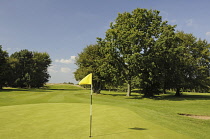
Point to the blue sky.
(62, 28)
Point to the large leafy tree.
(3, 67)
(129, 42)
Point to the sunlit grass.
(62, 111)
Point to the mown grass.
(62, 111)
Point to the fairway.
(64, 120)
(62, 112)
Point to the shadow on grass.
(183, 97)
(10, 90)
(65, 89)
(119, 94)
(137, 128)
(117, 133)
(171, 97)
(113, 94)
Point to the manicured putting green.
(71, 121)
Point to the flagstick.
(91, 110)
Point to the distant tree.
(202, 75)
(29, 69)
(23, 68)
(12, 71)
(3, 67)
(182, 60)
(40, 75)
(194, 63)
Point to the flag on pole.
(86, 80)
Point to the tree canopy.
(131, 42)
(142, 50)
(24, 69)
(3, 67)
(88, 61)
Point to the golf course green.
(62, 112)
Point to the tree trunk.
(164, 89)
(178, 94)
(98, 91)
(129, 89)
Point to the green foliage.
(88, 61)
(40, 76)
(3, 67)
(184, 62)
(129, 42)
(195, 56)
(145, 51)
(24, 69)
(167, 58)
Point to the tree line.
(143, 51)
(24, 69)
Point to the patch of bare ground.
(196, 116)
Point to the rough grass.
(62, 111)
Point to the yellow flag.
(86, 80)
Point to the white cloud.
(66, 61)
(65, 70)
(60, 73)
(207, 33)
(52, 69)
